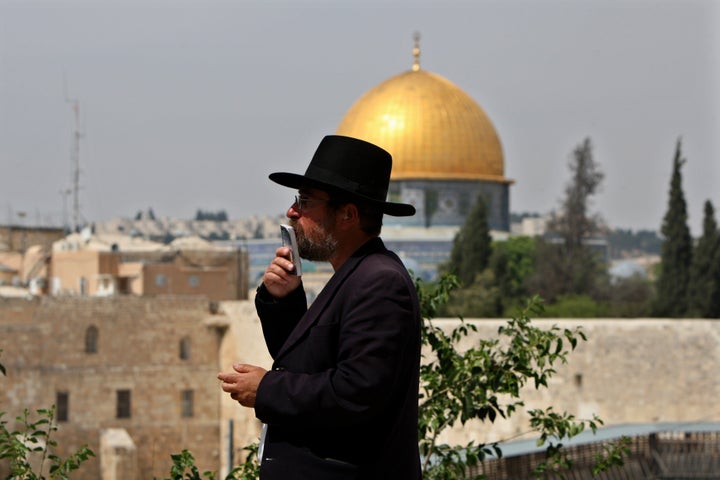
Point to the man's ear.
(349, 213)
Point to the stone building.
(142, 365)
(24, 252)
(105, 265)
(17, 238)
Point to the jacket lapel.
(327, 294)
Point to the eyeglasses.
(303, 203)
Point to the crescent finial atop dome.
(416, 52)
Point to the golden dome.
(432, 128)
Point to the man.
(341, 399)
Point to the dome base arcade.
(441, 203)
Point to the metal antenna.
(64, 193)
(75, 160)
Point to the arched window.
(91, 339)
(185, 348)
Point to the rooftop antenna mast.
(75, 160)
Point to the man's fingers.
(242, 384)
(229, 377)
(241, 367)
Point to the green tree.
(630, 297)
(469, 262)
(471, 249)
(575, 306)
(624, 241)
(704, 286)
(564, 262)
(500, 288)
(481, 299)
(512, 263)
(484, 382)
(671, 298)
(574, 224)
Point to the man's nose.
(293, 211)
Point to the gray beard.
(316, 250)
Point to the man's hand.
(242, 384)
(278, 279)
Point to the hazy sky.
(188, 105)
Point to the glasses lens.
(300, 203)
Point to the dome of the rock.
(446, 151)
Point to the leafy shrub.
(575, 306)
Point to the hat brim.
(294, 180)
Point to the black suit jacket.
(341, 400)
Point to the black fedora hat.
(352, 168)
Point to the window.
(185, 348)
(193, 281)
(160, 280)
(91, 339)
(62, 400)
(186, 403)
(123, 404)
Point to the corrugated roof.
(606, 434)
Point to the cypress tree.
(676, 252)
(471, 250)
(714, 307)
(704, 289)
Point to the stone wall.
(642, 370)
(628, 371)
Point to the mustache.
(299, 231)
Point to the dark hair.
(370, 215)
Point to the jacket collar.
(311, 316)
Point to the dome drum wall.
(448, 202)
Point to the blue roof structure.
(605, 434)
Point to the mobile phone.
(287, 234)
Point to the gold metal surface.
(432, 128)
